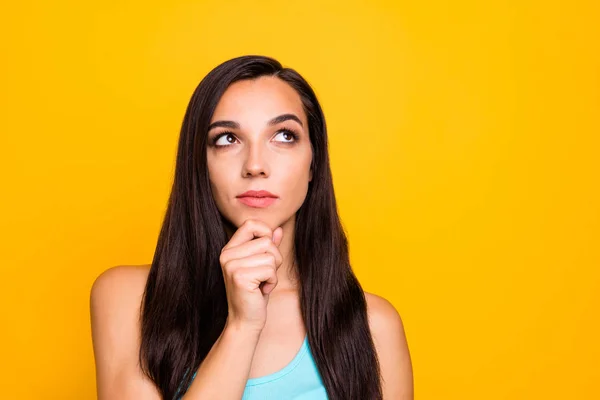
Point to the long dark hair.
(184, 306)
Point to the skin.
(259, 156)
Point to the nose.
(255, 163)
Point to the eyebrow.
(277, 120)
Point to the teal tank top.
(298, 380)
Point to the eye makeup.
(289, 131)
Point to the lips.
(257, 198)
(257, 193)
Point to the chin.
(239, 218)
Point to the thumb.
(277, 236)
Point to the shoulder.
(383, 316)
(390, 341)
(115, 297)
(115, 300)
(113, 282)
(119, 289)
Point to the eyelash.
(225, 133)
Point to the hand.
(249, 262)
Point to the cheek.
(295, 180)
(218, 180)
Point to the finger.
(256, 260)
(250, 229)
(277, 236)
(256, 246)
(252, 278)
(267, 285)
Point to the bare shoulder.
(116, 295)
(115, 300)
(383, 315)
(388, 334)
(114, 280)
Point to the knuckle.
(266, 259)
(229, 267)
(276, 254)
(238, 276)
(265, 242)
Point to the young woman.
(250, 294)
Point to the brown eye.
(226, 142)
(290, 136)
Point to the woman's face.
(251, 146)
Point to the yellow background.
(464, 144)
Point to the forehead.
(258, 100)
